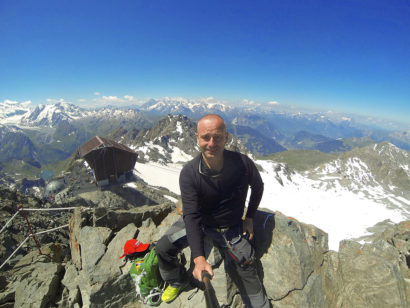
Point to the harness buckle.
(222, 230)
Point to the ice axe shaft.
(209, 292)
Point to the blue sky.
(350, 55)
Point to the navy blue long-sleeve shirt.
(217, 199)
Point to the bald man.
(214, 186)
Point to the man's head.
(212, 136)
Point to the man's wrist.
(199, 259)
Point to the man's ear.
(197, 139)
(226, 137)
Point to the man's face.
(212, 137)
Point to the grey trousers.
(245, 277)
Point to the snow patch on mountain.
(179, 127)
(150, 148)
(177, 155)
(354, 169)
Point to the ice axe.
(209, 292)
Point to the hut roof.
(98, 142)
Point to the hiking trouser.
(244, 275)
(168, 248)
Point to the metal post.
(30, 230)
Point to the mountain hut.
(111, 161)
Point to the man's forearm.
(194, 234)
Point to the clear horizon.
(350, 56)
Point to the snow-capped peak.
(11, 112)
(189, 107)
(52, 114)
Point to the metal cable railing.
(30, 233)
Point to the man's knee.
(165, 248)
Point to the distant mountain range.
(283, 126)
(190, 108)
(50, 133)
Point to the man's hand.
(248, 227)
(201, 265)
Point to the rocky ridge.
(118, 197)
(171, 140)
(296, 267)
(18, 145)
(378, 171)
